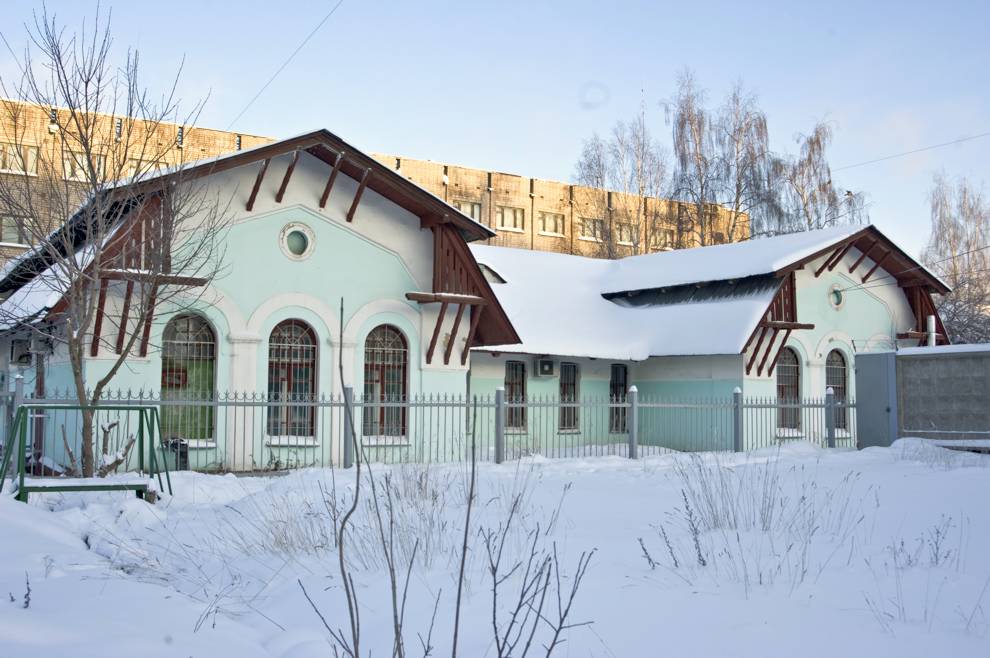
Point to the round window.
(835, 296)
(297, 241)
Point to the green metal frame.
(147, 417)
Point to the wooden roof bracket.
(101, 304)
(122, 329)
(285, 179)
(257, 184)
(877, 263)
(756, 350)
(436, 333)
(453, 334)
(357, 195)
(330, 180)
(146, 335)
(773, 337)
(475, 318)
(863, 255)
(783, 343)
(842, 254)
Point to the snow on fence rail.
(256, 432)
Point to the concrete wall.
(943, 392)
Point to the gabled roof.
(321, 144)
(576, 306)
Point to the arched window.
(291, 378)
(788, 389)
(189, 354)
(836, 378)
(386, 362)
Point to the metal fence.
(234, 432)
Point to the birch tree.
(90, 202)
(958, 251)
(633, 164)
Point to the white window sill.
(548, 234)
(574, 431)
(15, 245)
(509, 229)
(200, 444)
(787, 433)
(292, 442)
(19, 173)
(625, 244)
(516, 431)
(585, 238)
(385, 442)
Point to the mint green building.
(780, 318)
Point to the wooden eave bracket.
(357, 195)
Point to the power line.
(913, 151)
(286, 63)
(877, 284)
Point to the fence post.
(18, 394)
(830, 417)
(632, 423)
(737, 420)
(349, 435)
(499, 425)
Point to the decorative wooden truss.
(458, 280)
(903, 271)
(135, 255)
(922, 306)
(781, 316)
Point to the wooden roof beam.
(446, 298)
(146, 335)
(842, 254)
(357, 195)
(876, 264)
(122, 329)
(828, 261)
(472, 330)
(789, 326)
(773, 364)
(101, 305)
(863, 255)
(285, 179)
(436, 333)
(257, 184)
(756, 350)
(330, 181)
(453, 334)
(766, 355)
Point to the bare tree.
(958, 251)
(807, 194)
(94, 205)
(745, 162)
(698, 163)
(628, 174)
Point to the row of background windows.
(22, 159)
(189, 372)
(551, 223)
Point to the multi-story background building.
(529, 213)
(544, 215)
(30, 140)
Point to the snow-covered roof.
(558, 304)
(555, 303)
(722, 262)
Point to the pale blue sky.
(517, 86)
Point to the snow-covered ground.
(776, 553)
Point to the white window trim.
(550, 234)
(510, 229)
(586, 238)
(292, 441)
